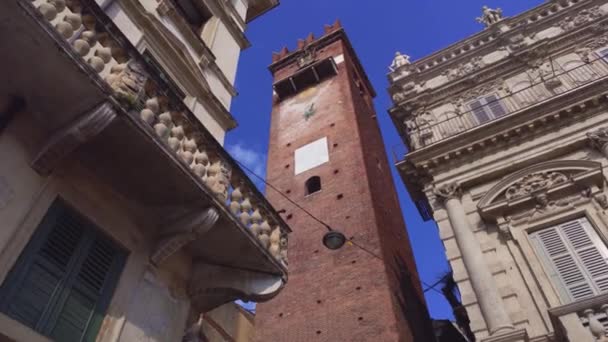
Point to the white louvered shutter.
(495, 106)
(487, 108)
(479, 111)
(575, 257)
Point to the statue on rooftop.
(399, 60)
(490, 16)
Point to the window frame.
(307, 185)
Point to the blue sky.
(377, 28)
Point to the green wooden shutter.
(575, 257)
(63, 280)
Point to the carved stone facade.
(508, 150)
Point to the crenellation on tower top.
(304, 43)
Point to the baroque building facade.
(507, 142)
(122, 216)
(326, 154)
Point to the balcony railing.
(584, 320)
(425, 131)
(143, 94)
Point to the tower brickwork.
(326, 153)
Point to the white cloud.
(252, 159)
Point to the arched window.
(313, 184)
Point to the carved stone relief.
(581, 18)
(587, 49)
(407, 89)
(533, 183)
(516, 42)
(419, 126)
(547, 208)
(461, 70)
(127, 81)
(306, 57)
(598, 138)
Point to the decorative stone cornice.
(448, 191)
(530, 21)
(518, 44)
(599, 138)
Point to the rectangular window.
(195, 13)
(62, 282)
(487, 108)
(603, 53)
(575, 258)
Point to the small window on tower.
(313, 184)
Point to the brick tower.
(326, 153)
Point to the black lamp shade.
(334, 240)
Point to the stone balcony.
(421, 130)
(582, 321)
(99, 101)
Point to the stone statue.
(399, 60)
(490, 16)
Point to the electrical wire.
(348, 240)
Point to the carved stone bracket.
(183, 231)
(214, 285)
(448, 191)
(598, 138)
(69, 139)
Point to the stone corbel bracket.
(68, 139)
(214, 285)
(575, 177)
(182, 231)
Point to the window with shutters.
(575, 258)
(62, 282)
(603, 53)
(487, 108)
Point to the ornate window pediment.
(538, 184)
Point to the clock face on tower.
(304, 107)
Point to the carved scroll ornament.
(448, 191)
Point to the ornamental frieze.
(534, 182)
(581, 18)
(475, 64)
